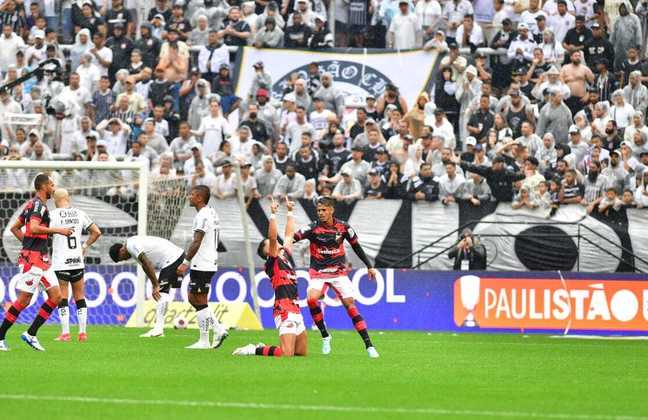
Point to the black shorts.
(168, 276)
(71, 276)
(200, 281)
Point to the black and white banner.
(355, 73)
(391, 230)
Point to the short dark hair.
(114, 251)
(40, 181)
(260, 251)
(326, 201)
(203, 190)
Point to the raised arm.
(273, 247)
(290, 226)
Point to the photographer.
(468, 254)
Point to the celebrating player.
(328, 266)
(279, 267)
(67, 260)
(154, 253)
(34, 263)
(202, 257)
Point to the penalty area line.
(303, 407)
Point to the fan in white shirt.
(116, 137)
(621, 112)
(213, 129)
(202, 258)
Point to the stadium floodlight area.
(121, 197)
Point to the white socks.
(64, 316)
(161, 309)
(82, 316)
(205, 322)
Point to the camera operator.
(468, 254)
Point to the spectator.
(375, 188)
(199, 36)
(451, 185)
(330, 95)
(290, 185)
(576, 76)
(148, 45)
(476, 190)
(422, 187)
(297, 34)
(641, 193)
(213, 128)
(174, 57)
(481, 121)
(598, 47)
(405, 29)
(610, 204)
(212, 55)
(555, 117)
(10, 44)
(203, 177)
(225, 182)
(306, 162)
(248, 184)
(196, 158)
(348, 189)
(626, 35)
(525, 199)
(635, 93)
(571, 191)
(321, 38)
(498, 177)
(267, 177)
(269, 35)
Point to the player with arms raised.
(153, 253)
(280, 267)
(202, 258)
(34, 263)
(67, 260)
(328, 267)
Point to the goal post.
(121, 183)
(124, 199)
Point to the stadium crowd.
(555, 114)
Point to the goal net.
(123, 199)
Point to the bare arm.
(290, 227)
(15, 229)
(149, 270)
(195, 244)
(95, 233)
(273, 248)
(37, 229)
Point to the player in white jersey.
(67, 260)
(202, 259)
(154, 253)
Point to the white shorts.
(293, 324)
(342, 284)
(35, 277)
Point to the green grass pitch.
(117, 375)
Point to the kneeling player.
(67, 260)
(154, 253)
(280, 268)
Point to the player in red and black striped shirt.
(34, 263)
(328, 266)
(280, 267)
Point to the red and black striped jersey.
(327, 254)
(282, 274)
(35, 210)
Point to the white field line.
(321, 408)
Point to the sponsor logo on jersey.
(75, 260)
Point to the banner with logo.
(355, 73)
(572, 303)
